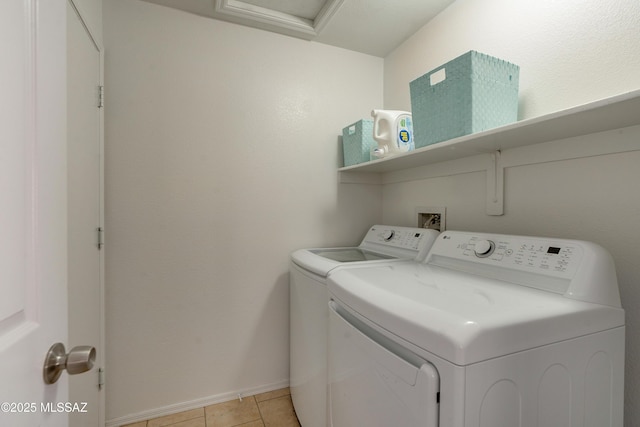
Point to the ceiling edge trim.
(327, 12)
(249, 12)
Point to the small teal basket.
(472, 93)
(357, 142)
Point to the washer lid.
(465, 318)
(322, 260)
(349, 254)
(382, 242)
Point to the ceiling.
(374, 27)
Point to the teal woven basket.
(469, 94)
(357, 141)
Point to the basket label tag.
(437, 77)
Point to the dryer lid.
(465, 318)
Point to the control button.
(484, 248)
(388, 235)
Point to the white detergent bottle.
(393, 131)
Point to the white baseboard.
(193, 404)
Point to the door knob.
(80, 359)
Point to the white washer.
(309, 313)
(490, 331)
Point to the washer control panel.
(399, 237)
(559, 258)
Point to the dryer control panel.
(544, 256)
(575, 268)
(549, 257)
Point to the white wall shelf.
(607, 114)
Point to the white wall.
(570, 53)
(221, 157)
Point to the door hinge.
(100, 231)
(100, 96)
(100, 378)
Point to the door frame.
(77, 7)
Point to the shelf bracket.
(495, 185)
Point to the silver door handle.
(80, 359)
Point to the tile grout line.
(272, 398)
(259, 411)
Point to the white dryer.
(309, 269)
(490, 331)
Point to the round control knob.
(484, 248)
(388, 235)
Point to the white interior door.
(33, 209)
(84, 214)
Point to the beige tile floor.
(271, 409)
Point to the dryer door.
(373, 381)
